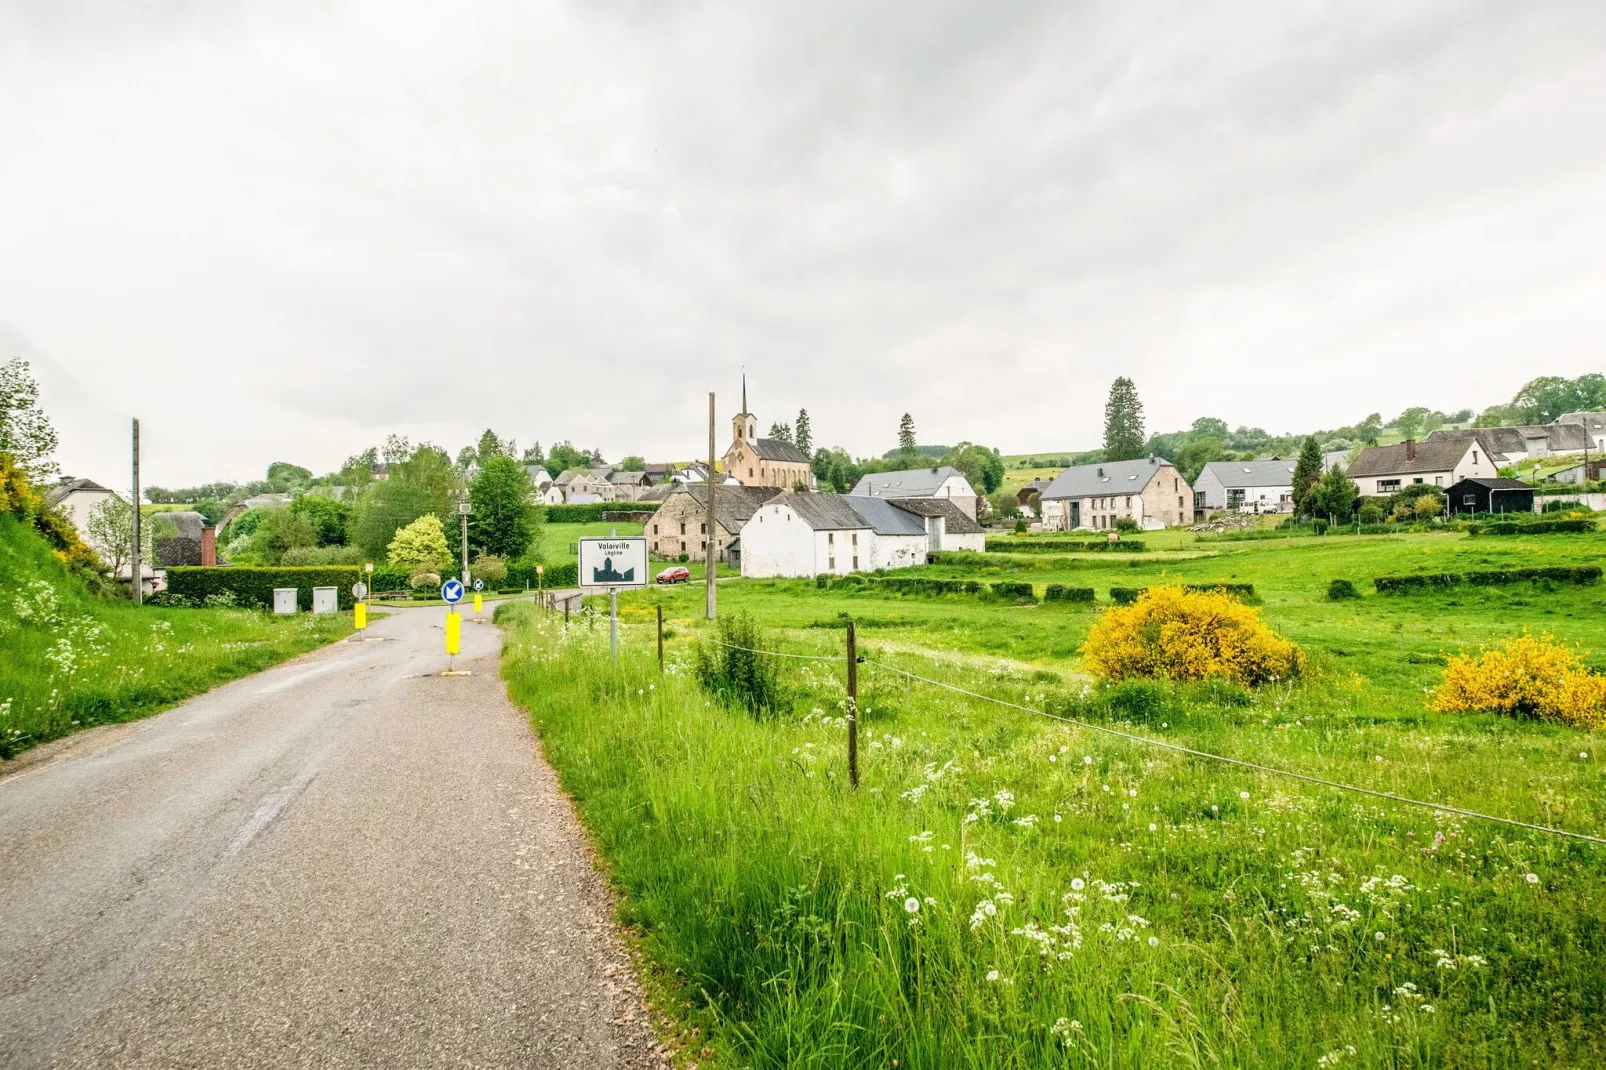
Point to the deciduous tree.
(420, 547)
(1334, 496)
(25, 431)
(502, 521)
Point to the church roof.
(778, 449)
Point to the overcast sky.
(280, 230)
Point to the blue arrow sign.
(452, 591)
(479, 585)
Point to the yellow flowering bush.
(1527, 676)
(1189, 635)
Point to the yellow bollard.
(360, 615)
(476, 601)
(454, 631)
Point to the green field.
(1156, 908)
(70, 659)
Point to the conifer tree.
(804, 434)
(906, 438)
(1123, 422)
(1307, 470)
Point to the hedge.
(1058, 592)
(596, 512)
(1533, 527)
(1243, 591)
(1125, 596)
(920, 585)
(254, 587)
(518, 577)
(1007, 545)
(1021, 592)
(1491, 578)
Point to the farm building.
(77, 498)
(1382, 470)
(809, 534)
(1151, 492)
(680, 526)
(1246, 486)
(1482, 494)
(940, 481)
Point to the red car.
(675, 574)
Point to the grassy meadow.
(1010, 890)
(70, 659)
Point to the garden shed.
(1487, 494)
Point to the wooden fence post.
(853, 707)
(660, 640)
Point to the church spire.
(744, 393)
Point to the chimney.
(1153, 461)
(1410, 449)
(209, 547)
(1101, 476)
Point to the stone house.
(680, 526)
(1149, 491)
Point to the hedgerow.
(920, 585)
(252, 586)
(597, 512)
(1177, 634)
(1533, 527)
(1058, 592)
(1013, 591)
(1428, 581)
(1063, 546)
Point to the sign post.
(479, 585)
(451, 594)
(540, 571)
(613, 564)
(359, 608)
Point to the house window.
(1466, 499)
(654, 531)
(702, 529)
(1438, 481)
(1474, 461)
(830, 539)
(682, 530)
(855, 559)
(1384, 486)
(1179, 506)
(1418, 479)
(682, 546)
(830, 562)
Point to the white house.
(582, 486)
(1150, 491)
(77, 498)
(808, 534)
(540, 478)
(551, 494)
(1246, 486)
(940, 481)
(1383, 470)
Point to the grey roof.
(69, 485)
(1436, 455)
(628, 479)
(1252, 473)
(733, 505)
(884, 515)
(1594, 421)
(1557, 437)
(582, 498)
(959, 522)
(1493, 483)
(908, 483)
(661, 492)
(778, 449)
(190, 524)
(1111, 477)
(826, 511)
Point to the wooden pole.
(712, 483)
(853, 707)
(660, 640)
(137, 570)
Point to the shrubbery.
(1533, 527)
(734, 670)
(1013, 591)
(921, 585)
(1177, 634)
(1490, 578)
(253, 587)
(1058, 592)
(1528, 676)
(1063, 546)
(597, 512)
(1339, 590)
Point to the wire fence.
(1149, 741)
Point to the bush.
(1527, 677)
(1339, 590)
(1126, 596)
(595, 512)
(490, 568)
(253, 587)
(1371, 513)
(1241, 591)
(1063, 546)
(1125, 524)
(1533, 527)
(1020, 527)
(1172, 633)
(1058, 592)
(921, 585)
(1584, 574)
(1319, 526)
(1013, 591)
(736, 672)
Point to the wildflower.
(1154, 941)
(1583, 754)
(911, 905)
(1077, 884)
(992, 975)
(1087, 759)
(1153, 827)
(1379, 937)
(1532, 878)
(1243, 795)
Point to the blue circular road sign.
(479, 585)
(452, 591)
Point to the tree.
(906, 439)
(1209, 427)
(781, 431)
(466, 457)
(427, 482)
(982, 466)
(633, 463)
(1307, 470)
(396, 449)
(533, 454)
(1409, 423)
(326, 516)
(420, 547)
(111, 534)
(284, 475)
(1196, 453)
(280, 529)
(25, 431)
(1334, 496)
(503, 501)
(1123, 422)
(490, 446)
(803, 436)
(1369, 429)
(564, 456)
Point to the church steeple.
(744, 393)
(744, 428)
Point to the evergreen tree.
(1334, 496)
(906, 438)
(1123, 422)
(783, 432)
(533, 455)
(804, 434)
(491, 446)
(1307, 470)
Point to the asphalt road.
(342, 862)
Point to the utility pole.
(138, 567)
(463, 508)
(712, 482)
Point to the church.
(764, 462)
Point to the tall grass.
(1003, 891)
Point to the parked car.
(675, 574)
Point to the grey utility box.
(284, 601)
(325, 600)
